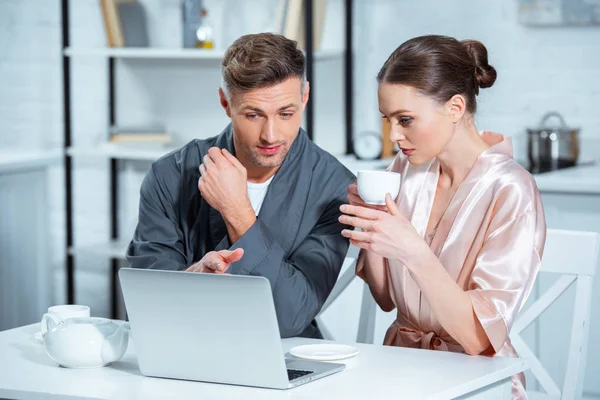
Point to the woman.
(458, 251)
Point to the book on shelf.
(139, 136)
(290, 21)
(112, 25)
(124, 23)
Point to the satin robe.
(490, 240)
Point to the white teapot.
(87, 342)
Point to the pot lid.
(552, 121)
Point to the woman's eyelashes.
(404, 121)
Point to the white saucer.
(324, 352)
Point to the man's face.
(266, 121)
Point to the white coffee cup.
(62, 312)
(374, 185)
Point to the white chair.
(574, 255)
(368, 310)
(344, 280)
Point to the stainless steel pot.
(551, 147)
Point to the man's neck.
(258, 174)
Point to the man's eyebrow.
(254, 109)
(286, 107)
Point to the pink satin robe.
(490, 240)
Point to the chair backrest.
(368, 309)
(346, 277)
(573, 255)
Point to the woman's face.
(419, 125)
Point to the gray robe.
(296, 242)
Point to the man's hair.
(261, 60)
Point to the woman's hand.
(355, 200)
(388, 234)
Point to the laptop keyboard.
(297, 373)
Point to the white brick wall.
(539, 70)
(30, 107)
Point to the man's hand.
(223, 184)
(223, 181)
(217, 262)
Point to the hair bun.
(485, 74)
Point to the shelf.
(169, 53)
(112, 249)
(126, 152)
(11, 160)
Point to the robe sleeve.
(377, 277)
(504, 274)
(158, 241)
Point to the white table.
(378, 372)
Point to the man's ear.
(305, 94)
(224, 102)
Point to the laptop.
(211, 328)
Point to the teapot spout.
(115, 345)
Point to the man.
(258, 199)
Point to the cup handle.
(48, 322)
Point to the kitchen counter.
(583, 179)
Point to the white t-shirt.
(257, 192)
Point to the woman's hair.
(440, 67)
(261, 60)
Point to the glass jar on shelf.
(205, 33)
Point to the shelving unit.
(109, 150)
(115, 247)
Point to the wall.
(539, 69)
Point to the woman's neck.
(460, 154)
